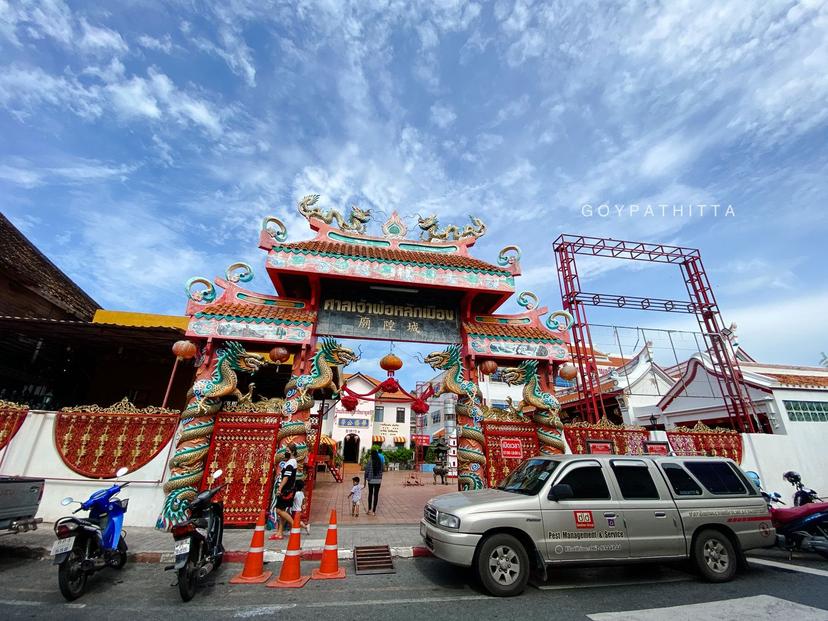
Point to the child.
(355, 496)
(299, 504)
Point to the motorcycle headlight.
(448, 520)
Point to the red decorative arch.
(95, 441)
(12, 416)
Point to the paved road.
(429, 589)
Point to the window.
(634, 480)
(587, 483)
(400, 415)
(529, 477)
(807, 411)
(681, 482)
(716, 476)
(435, 416)
(500, 405)
(497, 377)
(379, 413)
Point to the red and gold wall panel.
(701, 440)
(243, 446)
(96, 442)
(498, 466)
(12, 416)
(625, 441)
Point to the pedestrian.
(355, 495)
(285, 493)
(299, 505)
(373, 477)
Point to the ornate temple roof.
(393, 253)
(244, 311)
(515, 332)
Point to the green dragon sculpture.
(550, 427)
(356, 223)
(470, 456)
(215, 381)
(431, 231)
(298, 399)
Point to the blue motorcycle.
(802, 528)
(85, 545)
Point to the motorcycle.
(804, 495)
(86, 545)
(801, 528)
(198, 541)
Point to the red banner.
(12, 416)
(96, 442)
(519, 437)
(626, 440)
(702, 440)
(243, 446)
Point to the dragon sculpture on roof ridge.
(431, 229)
(356, 222)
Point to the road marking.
(740, 609)
(19, 602)
(259, 611)
(789, 567)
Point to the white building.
(386, 421)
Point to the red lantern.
(184, 350)
(279, 355)
(568, 371)
(349, 402)
(391, 363)
(487, 367)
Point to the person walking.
(373, 478)
(284, 495)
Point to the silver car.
(601, 509)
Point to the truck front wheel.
(503, 565)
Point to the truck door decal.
(583, 519)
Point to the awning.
(378, 439)
(399, 440)
(327, 441)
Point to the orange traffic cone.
(291, 575)
(329, 568)
(253, 571)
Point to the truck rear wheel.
(503, 565)
(714, 556)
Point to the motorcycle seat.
(785, 516)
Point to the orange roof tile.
(256, 312)
(510, 331)
(373, 253)
(810, 381)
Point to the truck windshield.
(529, 477)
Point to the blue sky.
(141, 143)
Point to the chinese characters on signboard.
(353, 422)
(398, 318)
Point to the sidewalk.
(147, 545)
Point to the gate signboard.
(507, 444)
(511, 448)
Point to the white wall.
(32, 453)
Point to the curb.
(230, 556)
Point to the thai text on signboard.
(511, 448)
(394, 317)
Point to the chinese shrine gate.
(347, 283)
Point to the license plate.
(422, 530)
(62, 546)
(182, 547)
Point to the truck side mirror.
(561, 491)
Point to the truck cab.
(601, 509)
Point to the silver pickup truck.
(591, 509)
(19, 501)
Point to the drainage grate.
(373, 560)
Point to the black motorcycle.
(198, 541)
(804, 495)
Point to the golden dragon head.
(336, 354)
(521, 373)
(361, 215)
(427, 223)
(444, 359)
(240, 359)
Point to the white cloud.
(514, 109)
(442, 115)
(164, 44)
(134, 98)
(96, 38)
(28, 174)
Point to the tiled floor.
(398, 503)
